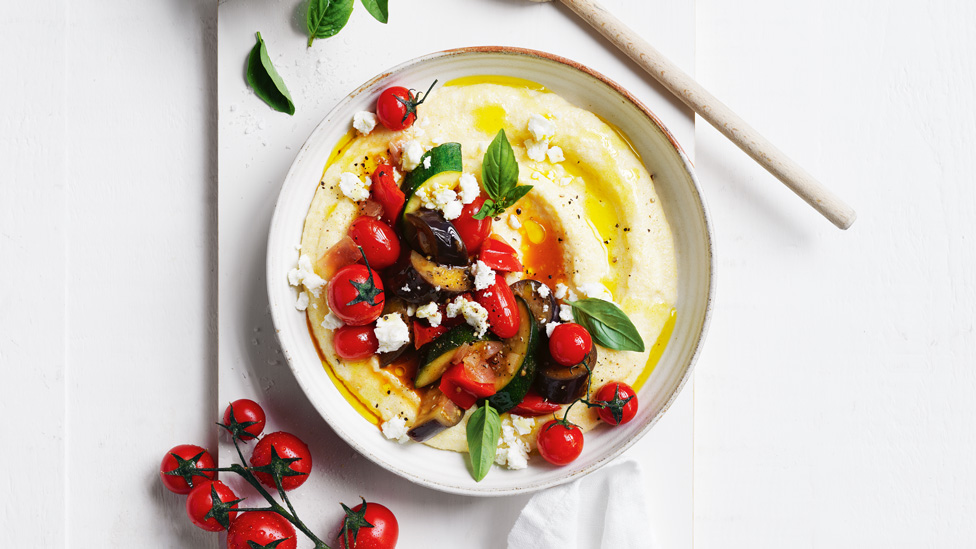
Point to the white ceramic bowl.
(679, 193)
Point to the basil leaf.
(607, 324)
(325, 18)
(265, 81)
(484, 428)
(378, 9)
(499, 171)
(514, 195)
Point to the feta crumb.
(536, 150)
(304, 275)
(563, 181)
(426, 162)
(565, 313)
(540, 127)
(431, 313)
(302, 302)
(512, 451)
(561, 290)
(411, 154)
(391, 332)
(452, 210)
(469, 188)
(332, 322)
(474, 314)
(364, 122)
(395, 428)
(543, 290)
(595, 289)
(484, 276)
(572, 295)
(397, 176)
(440, 197)
(523, 425)
(405, 288)
(555, 155)
(550, 326)
(411, 310)
(514, 222)
(353, 187)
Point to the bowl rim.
(278, 323)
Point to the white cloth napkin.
(604, 510)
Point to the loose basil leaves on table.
(326, 18)
(265, 81)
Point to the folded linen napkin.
(604, 510)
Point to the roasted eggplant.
(562, 385)
(515, 366)
(416, 279)
(544, 309)
(427, 232)
(436, 413)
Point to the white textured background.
(834, 400)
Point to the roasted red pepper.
(385, 191)
(534, 405)
(423, 333)
(498, 299)
(499, 256)
(463, 388)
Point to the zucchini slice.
(435, 357)
(445, 164)
(517, 365)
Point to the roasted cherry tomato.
(499, 256)
(246, 411)
(356, 295)
(196, 456)
(472, 231)
(380, 244)
(618, 403)
(424, 333)
(503, 316)
(534, 405)
(569, 344)
(383, 534)
(465, 384)
(559, 444)
(263, 528)
(200, 503)
(355, 342)
(397, 107)
(287, 446)
(384, 190)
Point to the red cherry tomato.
(263, 528)
(534, 405)
(503, 316)
(397, 107)
(385, 191)
(200, 502)
(355, 342)
(287, 446)
(558, 444)
(464, 385)
(383, 534)
(619, 403)
(424, 333)
(379, 242)
(499, 256)
(472, 231)
(352, 305)
(569, 344)
(176, 483)
(246, 411)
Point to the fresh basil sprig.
(326, 18)
(265, 81)
(607, 324)
(484, 428)
(379, 9)
(499, 177)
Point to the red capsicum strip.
(462, 388)
(499, 256)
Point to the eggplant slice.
(562, 385)
(544, 309)
(427, 232)
(436, 413)
(416, 279)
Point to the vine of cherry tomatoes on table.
(280, 461)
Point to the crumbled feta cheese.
(565, 313)
(523, 425)
(474, 314)
(411, 310)
(426, 162)
(543, 290)
(411, 154)
(405, 288)
(431, 313)
(304, 275)
(512, 452)
(514, 222)
(563, 181)
(440, 196)
(550, 326)
(364, 122)
(484, 276)
(571, 295)
(469, 188)
(561, 290)
(536, 150)
(353, 187)
(397, 176)
(302, 302)
(332, 322)
(595, 289)
(540, 127)
(452, 210)
(555, 155)
(395, 428)
(391, 332)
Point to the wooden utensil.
(714, 111)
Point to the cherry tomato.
(464, 385)
(356, 306)
(383, 534)
(287, 446)
(472, 231)
(246, 411)
(499, 256)
(569, 344)
(385, 191)
(397, 107)
(355, 342)
(379, 242)
(263, 528)
(619, 403)
(503, 316)
(424, 333)
(177, 483)
(534, 405)
(559, 444)
(200, 503)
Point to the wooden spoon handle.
(715, 112)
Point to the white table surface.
(834, 400)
